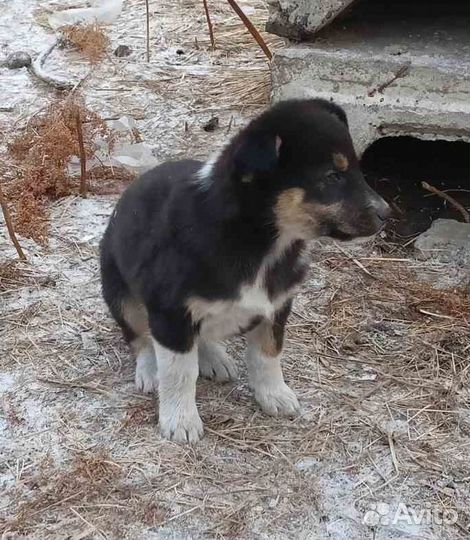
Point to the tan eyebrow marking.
(340, 161)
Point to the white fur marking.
(222, 319)
(146, 380)
(265, 376)
(215, 363)
(177, 375)
(203, 177)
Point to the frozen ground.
(377, 347)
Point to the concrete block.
(392, 76)
(300, 19)
(448, 240)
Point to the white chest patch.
(221, 319)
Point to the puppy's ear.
(336, 110)
(258, 152)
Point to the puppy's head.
(298, 158)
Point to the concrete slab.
(394, 75)
(446, 239)
(301, 19)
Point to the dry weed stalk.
(89, 39)
(9, 224)
(81, 146)
(44, 151)
(449, 199)
(147, 29)
(232, 36)
(209, 24)
(250, 27)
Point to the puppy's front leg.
(177, 360)
(263, 359)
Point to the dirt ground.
(377, 347)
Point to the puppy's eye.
(332, 177)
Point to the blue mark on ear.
(258, 153)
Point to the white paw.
(146, 379)
(215, 363)
(181, 426)
(278, 400)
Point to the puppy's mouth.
(338, 234)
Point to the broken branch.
(38, 65)
(9, 224)
(449, 199)
(246, 21)
(401, 72)
(209, 24)
(147, 15)
(81, 145)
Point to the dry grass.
(90, 39)
(42, 153)
(228, 87)
(49, 141)
(231, 36)
(90, 478)
(236, 75)
(16, 274)
(109, 180)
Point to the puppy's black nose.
(381, 207)
(385, 212)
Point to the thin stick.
(81, 145)
(355, 261)
(246, 21)
(393, 453)
(185, 513)
(9, 224)
(209, 24)
(400, 73)
(37, 66)
(147, 14)
(448, 198)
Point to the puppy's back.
(141, 218)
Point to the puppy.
(195, 253)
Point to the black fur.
(279, 324)
(286, 272)
(114, 287)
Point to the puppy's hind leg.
(136, 317)
(132, 318)
(215, 363)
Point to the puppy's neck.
(204, 177)
(269, 230)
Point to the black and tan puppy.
(195, 253)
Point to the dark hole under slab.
(396, 167)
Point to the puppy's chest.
(273, 286)
(221, 319)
